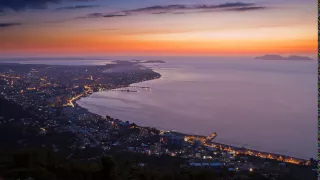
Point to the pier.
(126, 89)
(122, 90)
(140, 87)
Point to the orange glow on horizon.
(165, 47)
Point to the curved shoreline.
(253, 152)
(226, 147)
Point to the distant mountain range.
(278, 57)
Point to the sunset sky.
(158, 27)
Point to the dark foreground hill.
(45, 164)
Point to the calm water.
(265, 105)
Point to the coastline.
(65, 126)
(221, 146)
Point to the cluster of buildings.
(200, 151)
(49, 92)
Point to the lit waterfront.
(208, 142)
(265, 155)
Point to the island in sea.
(278, 57)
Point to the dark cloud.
(236, 4)
(152, 9)
(115, 15)
(176, 7)
(95, 15)
(5, 25)
(248, 8)
(181, 9)
(77, 7)
(18, 5)
(100, 15)
(159, 13)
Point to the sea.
(267, 105)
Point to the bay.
(264, 105)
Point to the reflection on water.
(267, 105)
